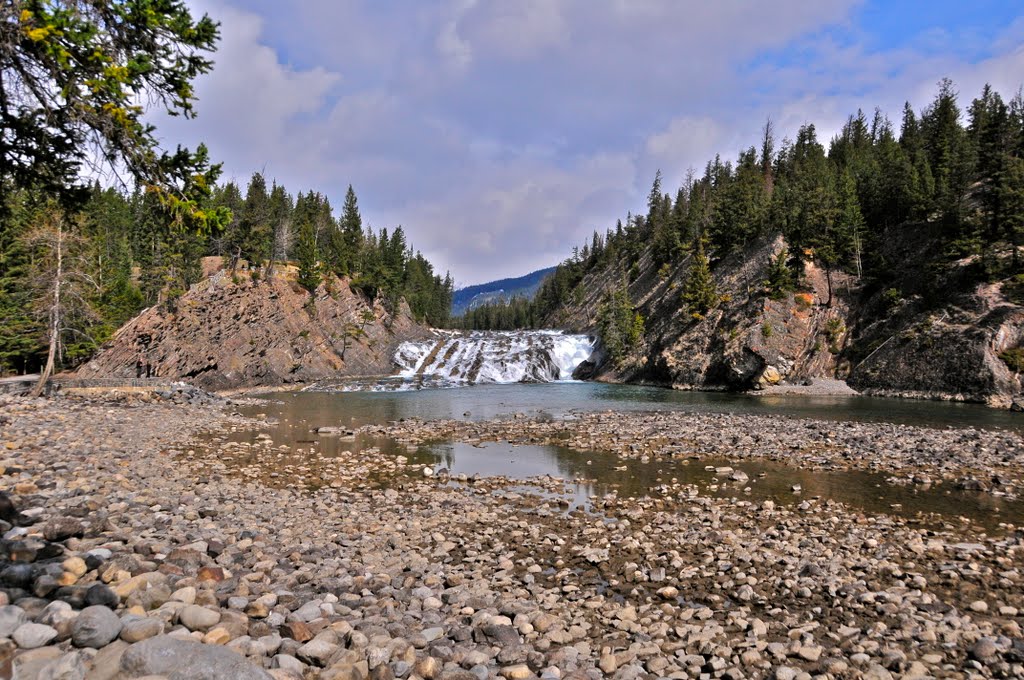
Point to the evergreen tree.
(349, 241)
(255, 231)
(305, 248)
(780, 276)
(700, 294)
(75, 77)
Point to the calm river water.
(590, 474)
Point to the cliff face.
(748, 340)
(937, 343)
(936, 336)
(229, 331)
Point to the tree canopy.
(73, 79)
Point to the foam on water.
(493, 357)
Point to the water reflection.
(591, 474)
(559, 400)
(296, 416)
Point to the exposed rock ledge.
(229, 331)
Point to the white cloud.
(688, 143)
(501, 133)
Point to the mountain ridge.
(470, 297)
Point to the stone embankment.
(129, 552)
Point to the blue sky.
(500, 133)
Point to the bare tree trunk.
(58, 283)
(857, 254)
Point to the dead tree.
(61, 283)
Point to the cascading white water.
(494, 357)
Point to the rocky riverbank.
(132, 548)
(968, 458)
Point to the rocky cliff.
(748, 340)
(231, 331)
(937, 336)
(936, 332)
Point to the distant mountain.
(472, 297)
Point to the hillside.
(502, 290)
(942, 340)
(233, 331)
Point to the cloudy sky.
(500, 133)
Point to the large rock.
(33, 635)
(230, 331)
(62, 528)
(178, 659)
(195, 617)
(11, 618)
(95, 627)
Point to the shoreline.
(211, 541)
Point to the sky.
(501, 133)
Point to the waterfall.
(493, 357)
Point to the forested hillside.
(77, 259)
(502, 290)
(894, 220)
(122, 254)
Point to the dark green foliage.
(1014, 358)
(514, 314)
(621, 328)
(835, 206)
(346, 241)
(700, 294)
(74, 74)
(781, 279)
(306, 251)
(891, 298)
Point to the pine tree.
(255, 232)
(349, 244)
(75, 81)
(780, 277)
(305, 247)
(700, 294)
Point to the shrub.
(1014, 289)
(766, 330)
(1014, 359)
(803, 301)
(834, 329)
(891, 298)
